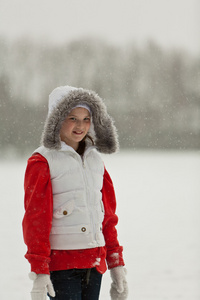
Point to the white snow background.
(158, 196)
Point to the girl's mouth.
(78, 132)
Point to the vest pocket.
(102, 207)
(100, 212)
(83, 229)
(65, 210)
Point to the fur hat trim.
(62, 100)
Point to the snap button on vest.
(83, 229)
(64, 212)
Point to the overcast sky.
(172, 23)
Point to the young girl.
(69, 222)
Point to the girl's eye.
(87, 119)
(73, 119)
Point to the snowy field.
(158, 198)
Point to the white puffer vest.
(78, 210)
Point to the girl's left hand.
(119, 286)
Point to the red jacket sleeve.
(114, 250)
(37, 220)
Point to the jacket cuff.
(39, 268)
(115, 259)
(39, 265)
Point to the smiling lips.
(77, 132)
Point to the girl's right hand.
(41, 286)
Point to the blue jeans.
(76, 284)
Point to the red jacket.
(38, 220)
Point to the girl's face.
(75, 127)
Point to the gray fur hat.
(62, 100)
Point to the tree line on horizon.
(152, 93)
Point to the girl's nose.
(78, 124)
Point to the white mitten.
(41, 285)
(119, 286)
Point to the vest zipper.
(83, 163)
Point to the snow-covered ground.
(158, 196)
